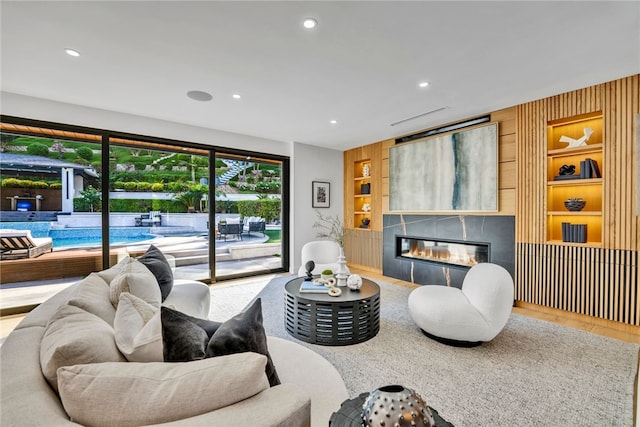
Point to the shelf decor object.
(574, 143)
(575, 204)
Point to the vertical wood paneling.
(601, 282)
(587, 280)
(364, 248)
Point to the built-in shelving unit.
(362, 206)
(585, 183)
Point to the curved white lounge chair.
(468, 316)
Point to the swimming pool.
(82, 237)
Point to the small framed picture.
(320, 196)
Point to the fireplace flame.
(445, 252)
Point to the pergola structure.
(72, 174)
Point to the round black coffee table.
(350, 414)
(317, 318)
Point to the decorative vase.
(396, 405)
(575, 204)
(343, 271)
(365, 170)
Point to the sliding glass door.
(248, 222)
(101, 195)
(158, 196)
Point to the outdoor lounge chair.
(20, 244)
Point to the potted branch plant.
(330, 227)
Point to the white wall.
(311, 163)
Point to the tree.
(38, 149)
(85, 153)
(91, 199)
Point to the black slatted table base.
(351, 318)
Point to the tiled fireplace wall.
(497, 231)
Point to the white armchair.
(324, 253)
(468, 316)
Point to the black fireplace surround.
(440, 249)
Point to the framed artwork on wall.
(456, 171)
(320, 196)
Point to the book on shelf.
(308, 287)
(585, 169)
(574, 233)
(595, 170)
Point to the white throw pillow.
(110, 394)
(92, 295)
(138, 280)
(74, 336)
(138, 329)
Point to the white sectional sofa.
(217, 391)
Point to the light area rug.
(534, 373)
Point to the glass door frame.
(174, 145)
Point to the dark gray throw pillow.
(157, 263)
(184, 338)
(244, 332)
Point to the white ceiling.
(360, 66)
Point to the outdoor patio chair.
(254, 224)
(153, 218)
(19, 244)
(229, 229)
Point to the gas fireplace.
(454, 253)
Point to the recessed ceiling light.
(72, 52)
(236, 96)
(198, 95)
(333, 122)
(309, 23)
(423, 84)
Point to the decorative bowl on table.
(575, 204)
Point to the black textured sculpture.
(567, 170)
(309, 266)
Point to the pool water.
(82, 237)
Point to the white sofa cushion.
(75, 336)
(110, 273)
(92, 295)
(138, 280)
(110, 394)
(138, 329)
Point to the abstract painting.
(457, 171)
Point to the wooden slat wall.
(595, 281)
